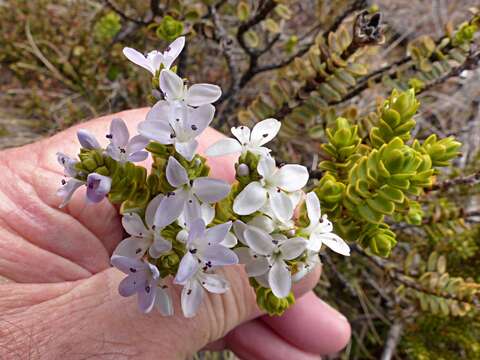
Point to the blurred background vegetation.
(306, 63)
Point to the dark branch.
(123, 15)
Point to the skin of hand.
(60, 298)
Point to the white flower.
(267, 254)
(177, 124)
(320, 229)
(175, 90)
(121, 147)
(154, 59)
(143, 238)
(143, 280)
(262, 133)
(187, 194)
(204, 250)
(274, 187)
(193, 290)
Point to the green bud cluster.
(368, 179)
(396, 118)
(169, 29)
(129, 182)
(267, 301)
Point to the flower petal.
(281, 205)
(210, 190)
(176, 173)
(87, 139)
(230, 241)
(172, 52)
(250, 199)
(66, 191)
(266, 167)
(137, 143)
(138, 156)
(191, 212)
(207, 212)
(187, 149)
(137, 58)
(128, 265)
(98, 186)
(219, 255)
(156, 130)
(259, 241)
(197, 230)
(280, 279)
(186, 269)
(214, 283)
(224, 147)
(255, 265)
(293, 248)
(201, 94)
(291, 177)
(216, 234)
(133, 224)
(192, 297)
(68, 164)
(159, 246)
(119, 133)
(313, 207)
(170, 208)
(172, 85)
(199, 118)
(132, 247)
(239, 228)
(159, 112)
(163, 301)
(131, 284)
(146, 295)
(335, 243)
(152, 209)
(242, 133)
(264, 131)
(263, 222)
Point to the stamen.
(173, 136)
(109, 136)
(194, 127)
(63, 182)
(189, 291)
(133, 270)
(265, 135)
(138, 251)
(193, 251)
(147, 289)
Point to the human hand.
(62, 300)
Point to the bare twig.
(393, 337)
(124, 16)
(470, 180)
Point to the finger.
(256, 341)
(312, 325)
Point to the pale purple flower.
(68, 164)
(186, 196)
(121, 147)
(204, 250)
(87, 140)
(177, 124)
(143, 279)
(144, 237)
(67, 190)
(320, 229)
(274, 187)
(154, 59)
(194, 290)
(98, 186)
(247, 141)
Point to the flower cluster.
(182, 225)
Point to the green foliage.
(169, 28)
(107, 27)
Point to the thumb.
(70, 320)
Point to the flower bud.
(243, 170)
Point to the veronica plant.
(179, 220)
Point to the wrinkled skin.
(60, 300)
